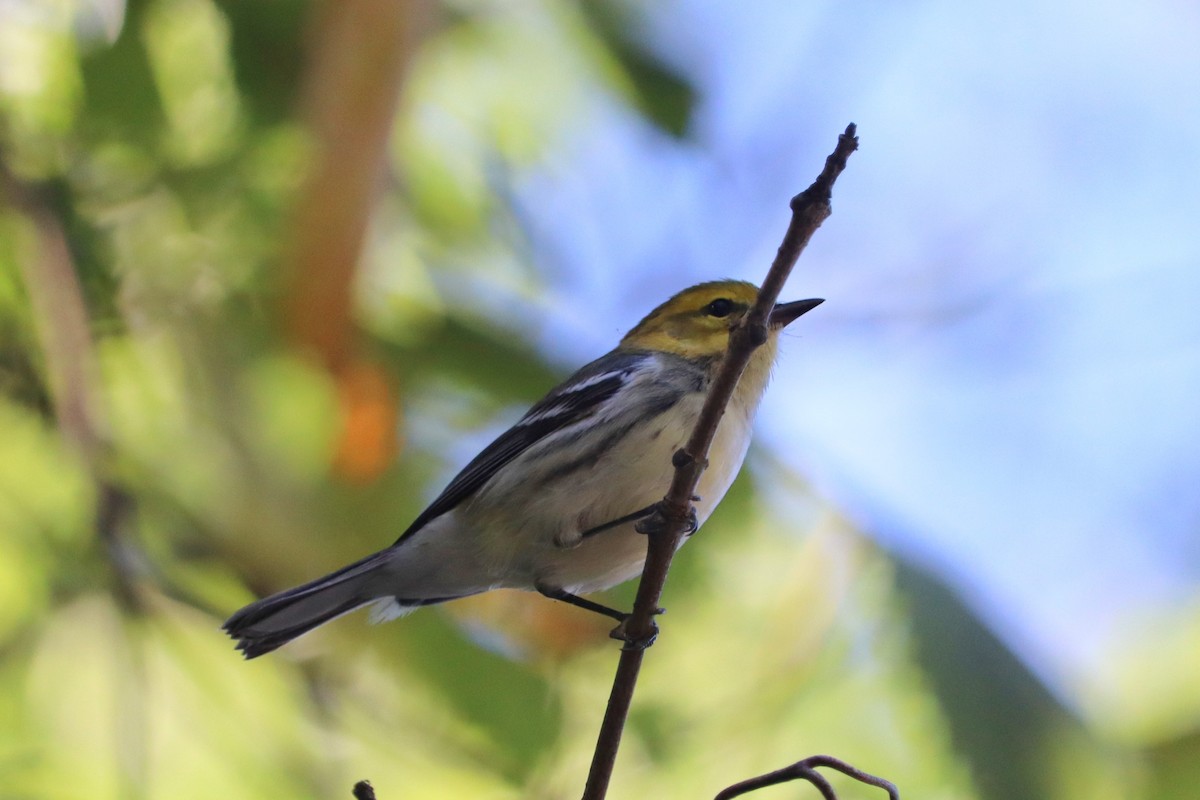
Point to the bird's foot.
(636, 641)
(656, 521)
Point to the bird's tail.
(274, 621)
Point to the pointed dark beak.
(785, 313)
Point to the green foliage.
(663, 96)
(513, 705)
(169, 151)
(1001, 718)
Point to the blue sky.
(1004, 380)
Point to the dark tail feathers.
(274, 621)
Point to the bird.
(558, 502)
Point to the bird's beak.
(785, 313)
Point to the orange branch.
(360, 53)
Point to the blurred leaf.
(46, 490)
(120, 99)
(659, 92)
(1002, 720)
(292, 410)
(40, 87)
(187, 44)
(20, 378)
(267, 46)
(1142, 697)
(1173, 768)
(493, 362)
(516, 706)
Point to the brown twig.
(806, 770)
(60, 315)
(63, 325)
(809, 209)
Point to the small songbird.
(553, 504)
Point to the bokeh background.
(271, 272)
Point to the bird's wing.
(574, 400)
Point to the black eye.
(720, 307)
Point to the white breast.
(616, 555)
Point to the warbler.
(553, 504)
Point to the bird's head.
(696, 323)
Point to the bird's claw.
(656, 521)
(652, 523)
(632, 642)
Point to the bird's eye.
(721, 307)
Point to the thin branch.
(60, 316)
(63, 326)
(809, 209)
(806, 770)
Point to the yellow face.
(697, 321)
